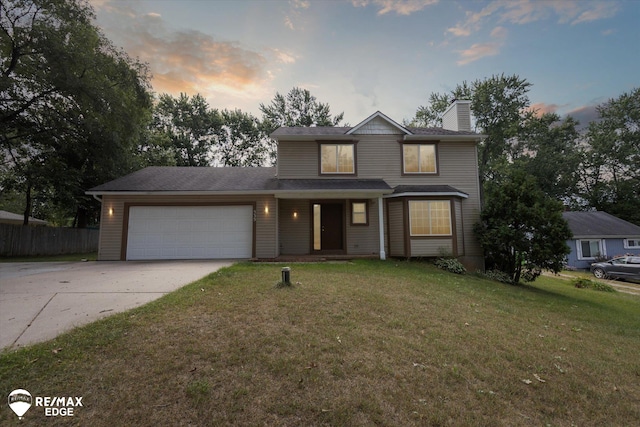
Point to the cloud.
(482, 50)
(478, 51)
(285, 58)
(585, 115)
(187, 60)
(599, 11)
(295, 7)
(527, 11)
(542, 108)
(400, 7)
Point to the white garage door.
(189, 232)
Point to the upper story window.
(419, 158)
(337, 158)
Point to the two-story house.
(377, 188)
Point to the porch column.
(383, 256)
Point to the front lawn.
(362, 343)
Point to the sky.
(363, 56)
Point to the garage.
(189, 232)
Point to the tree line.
(76, 111)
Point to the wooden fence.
(19, 240)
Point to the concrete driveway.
(39, 301)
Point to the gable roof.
(378, 116)
(599, 224)
(375, 120)
(185, 179)
(229, 180)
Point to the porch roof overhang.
(330, 188)
(427, 191)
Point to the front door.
(328, 227)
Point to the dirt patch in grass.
(361, 343)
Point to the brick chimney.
(458, 116)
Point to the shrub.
(451, 265)
(591, 284)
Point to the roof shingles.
(599, 224)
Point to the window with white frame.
(590, 249)
(632, 243)
(430, 217)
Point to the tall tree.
(500, 107)
(610, 173)
(71, 104)
(521, 228)
(241, 140)
(547, 149)
(190, 125)
(297, 108)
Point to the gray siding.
(396, 228)
(380, 156)
(294, 233)
(457, 207)
(378, 126)
(430, 247)
(297, 159)
(363, 239)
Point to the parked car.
(625, 267)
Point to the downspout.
(97, 198)
(383, 256)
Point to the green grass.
(363, 343)
(92, 256)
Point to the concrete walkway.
(39, 301)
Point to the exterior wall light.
(266, 209)
(295, 214)
(110, 211)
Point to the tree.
(521, 229)
(297, 108)
(190, 125)
(71, 104)
(546, 148)
(610, 175)
(500, 107)
(241, 140)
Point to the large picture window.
(419, 158)
(337, 158)
(430, 217)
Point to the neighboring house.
(377, 189)
(599, 235)
(17, 219)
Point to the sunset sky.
(366, 55)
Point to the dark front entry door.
(328, 226)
